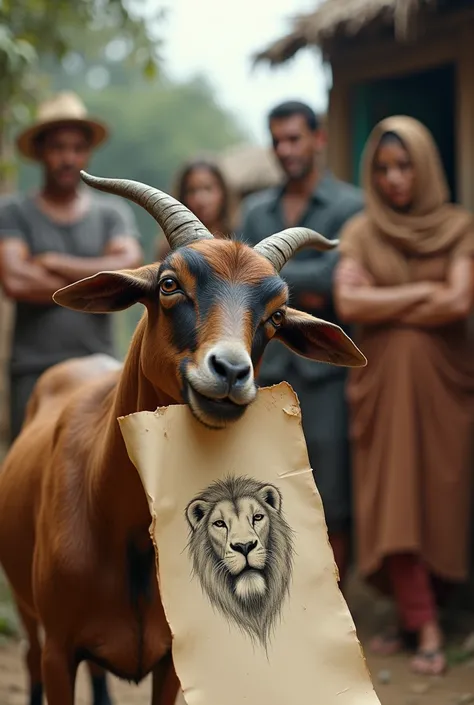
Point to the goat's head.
(212, 307)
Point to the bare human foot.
(429, 660)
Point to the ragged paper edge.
(294, 410)
(150, 498)
(152, 526)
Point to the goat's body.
(87, 571)
(74, 519)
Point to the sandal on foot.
(386, 644)
(429, 663)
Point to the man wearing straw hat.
(54, 237)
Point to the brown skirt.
(411, 421)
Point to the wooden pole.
(7, 185)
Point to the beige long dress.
(412, 407)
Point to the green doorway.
(429, 96)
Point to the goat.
(74, 529)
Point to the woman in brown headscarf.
(201, 187)
(405, 276)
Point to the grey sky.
(218, 37)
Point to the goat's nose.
(243, 548)
(231, 372)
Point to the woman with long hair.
(201, 187)
(406, 277)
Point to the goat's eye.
(277, 319)
(168, 286)
(219, 524)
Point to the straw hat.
(65, 108)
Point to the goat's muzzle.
(220, 388)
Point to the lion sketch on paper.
(242, 552)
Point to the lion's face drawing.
(242, 551)
(238, 534)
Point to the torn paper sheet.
(246, 573)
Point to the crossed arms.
(425, 304)
(35, 279)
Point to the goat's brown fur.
(74, 529)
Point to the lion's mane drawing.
(242, 552)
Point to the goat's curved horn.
(180, 226)
(280, 247)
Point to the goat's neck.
(116, 489)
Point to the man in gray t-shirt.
(52, 238)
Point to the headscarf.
(386, 238)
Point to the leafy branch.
(32, 30)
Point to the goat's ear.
(109, 291)
(319, 340)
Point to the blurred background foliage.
(108, 51)
(31, 30)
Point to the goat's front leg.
(166, 685)
(33, 656)
(100, 690)
(59, 674)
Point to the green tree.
(31, 29)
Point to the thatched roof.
(249, 168)
(346, 17)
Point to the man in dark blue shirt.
(310, 197)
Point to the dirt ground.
(402, 688)
(457, 688)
